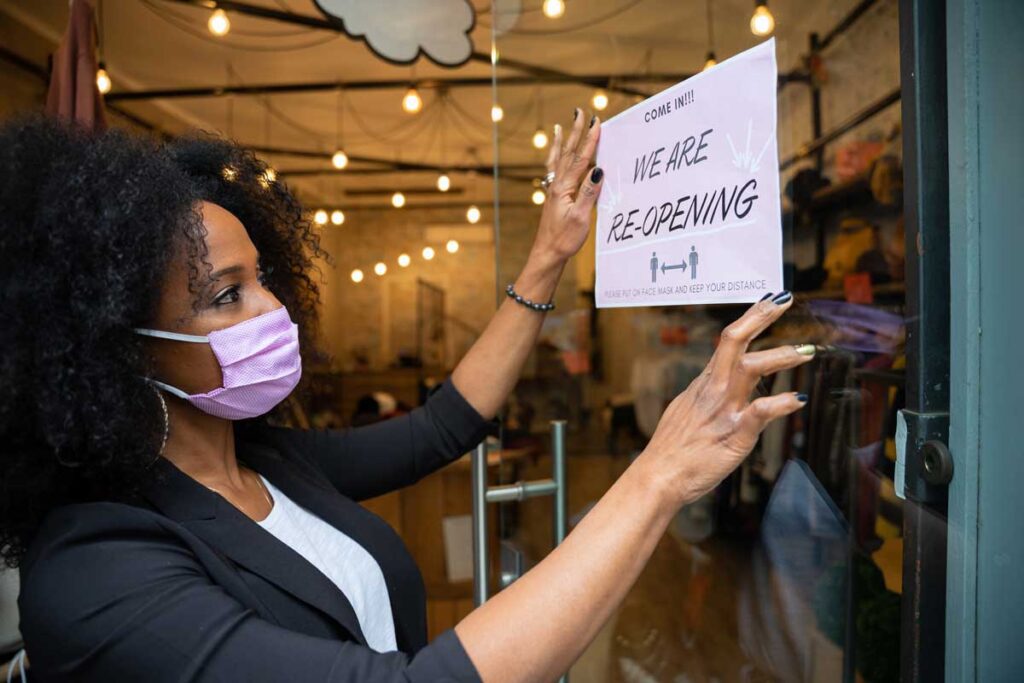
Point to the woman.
(157, 299)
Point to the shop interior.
(423, 179)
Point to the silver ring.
(548, 178)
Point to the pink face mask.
(259, 360)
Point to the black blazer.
(181, 586)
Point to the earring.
(167, 424)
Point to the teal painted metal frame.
(985, 592)
(965, 388)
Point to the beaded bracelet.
(526, 302)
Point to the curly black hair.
(88, 226)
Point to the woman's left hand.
(565, 220)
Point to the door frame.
(986, 155)
(926, 416)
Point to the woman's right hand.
(707, 430)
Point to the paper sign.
(690, 211)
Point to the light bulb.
(268, 176)
(554, 8)
(497, 113)
(404, 260)
(473, 214)
(412, 102)
(428, 253)
(339, 160)
(711, 61)
(540, 139)
(357, 275)
(599, 100)
(398, 200)
(380, 268)
(444, 183)
(538, 197)
(494, 54)
(229, 173)
(337, 217)
(762, 23)
(103, 80)
(320, 217)
(219, 24)
(452, 246)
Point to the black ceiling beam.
(845, 23)
(408, 191)
(600, 81)
(336, 27)
(350, 209)
(384, 164)
(846, 126)
(597, 80)
(482, 169)
(545, 72)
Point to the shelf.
(895, 378)
(887, 289)
(828, 197)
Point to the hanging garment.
(73, 94)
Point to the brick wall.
(377, 317)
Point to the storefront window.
(793, 568)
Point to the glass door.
(822, 558)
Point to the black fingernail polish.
(766, 296)
(575, 114)
(802, 398)
(593, 120)
(596, 175)
(782, 298)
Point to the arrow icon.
(680, 266)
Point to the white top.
(352, 569)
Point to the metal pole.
(561, 498)
(480, 563)
(558, 475)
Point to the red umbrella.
(73, 92)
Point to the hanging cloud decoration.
(399, 30)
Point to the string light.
(710, 60)
(540, 139)
(357, 275)
(103, 82)
(494, 54)
(398, 200)
(452, 246)
(538, 197)
(473, 214)
(268, 177)
(337, 217)
(339, 160)
(599, 100)
(404, 260)
(762, 23)
(497, 113)
(320, 217)
(444, 183)
(428, 253)
(412, 102)
(229, 173)
(553, 8)
(219, 24)
(380, 268)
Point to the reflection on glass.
(792, 570)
